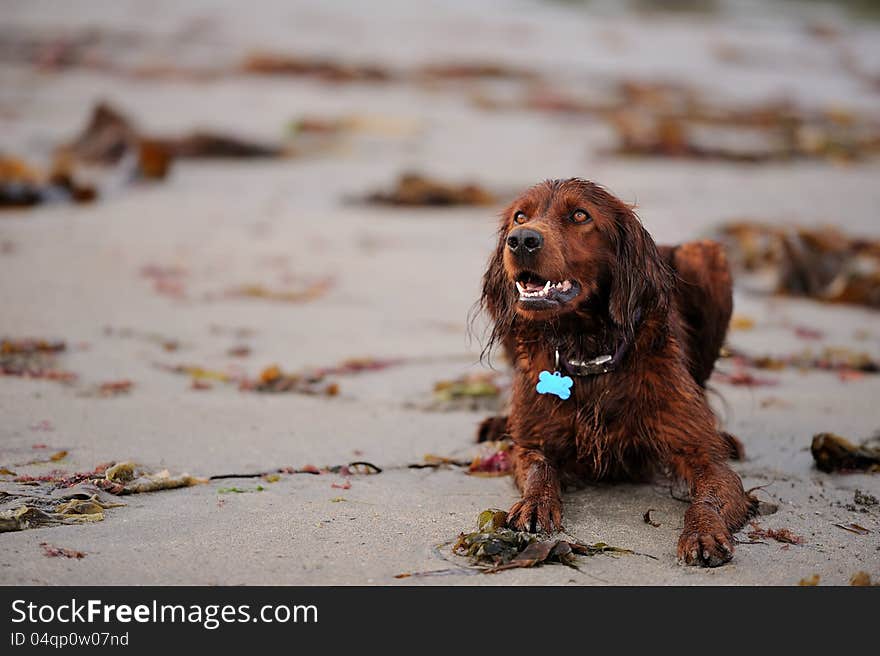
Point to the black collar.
(601, 364)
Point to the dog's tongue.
(533, 287)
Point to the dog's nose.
(525, 240)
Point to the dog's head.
(569, 246)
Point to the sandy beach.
(150, 277)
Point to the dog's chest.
(595, 434)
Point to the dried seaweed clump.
(60, 498)
(111, 138)
(324, 69)
(493, 547)
(416, 190)
(834, 453)
(33, 358)
(823, 263)
(677, 121)
(494, 459)
(785, 535)
(24, 186)
(475, 391)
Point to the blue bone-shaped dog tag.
(554, 383)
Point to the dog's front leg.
(719, 507)
(540, 508)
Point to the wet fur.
(650, 415)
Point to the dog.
(612, 340)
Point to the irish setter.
(612, 340)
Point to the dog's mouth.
(536, 292)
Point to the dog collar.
(601, 364)
(555, 383)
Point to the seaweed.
(356, 468)
(821, 263)
(861, 579)
(33, 358)
(678, 121)
(273, 379)
(742, 378)
(494, 459)
(128, 478)
(110, 389)
(432, 461)
(779, 534)
(471, 392)
(24, 186)
(48, 504)
(211, 145)
(472, 71)
(25, 517)
(324, 69)
(62, 498)
(844, 361)
(417, 190)
(306, 292)
(110, 138)
(51, 551)
(494, 548)
(810, 581)
(239, 490)
(55, 456)
(833, 453)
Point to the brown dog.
(576, 286)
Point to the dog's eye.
(580, 216)
(520, 217)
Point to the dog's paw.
(706, 549)
(535, 514)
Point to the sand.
(403, 284)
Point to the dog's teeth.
(527, 291)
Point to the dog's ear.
(498, 298)
(641, 282)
